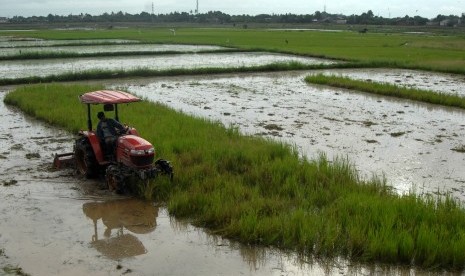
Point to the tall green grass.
(260, 192)
(387, 89)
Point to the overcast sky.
(390, 8)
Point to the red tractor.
(130, 156)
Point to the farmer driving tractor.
(113, 149)
(107, 131)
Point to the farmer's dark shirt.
(107, 128)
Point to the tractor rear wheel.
(86, 162)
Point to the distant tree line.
(218, 17)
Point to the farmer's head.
(101, 115)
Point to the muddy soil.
(417, 147)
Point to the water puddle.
(306, 29)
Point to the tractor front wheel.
(164, 167)
(114, 179)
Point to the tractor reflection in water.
(118, 217)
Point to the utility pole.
(152, 13)
(197, 7)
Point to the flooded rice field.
(13, 51)
(415, 145)
(47, 67)
(53, 223)
(12, 41)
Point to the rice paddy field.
(423, 51)
(49, 67)
(339, 179)
(16, 51)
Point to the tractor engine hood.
(135, 151)
(134, 143)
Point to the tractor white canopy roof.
(107, 97)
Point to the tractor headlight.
(142, 152)
(137, 152)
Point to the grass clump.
(460, 148)
(260, 192)
(387, 89)
(14, 270)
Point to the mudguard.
(96, 147)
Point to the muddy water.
(46, 67)
(109, 49)
(53, 223)
(410, 143)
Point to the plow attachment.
(63, 160)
